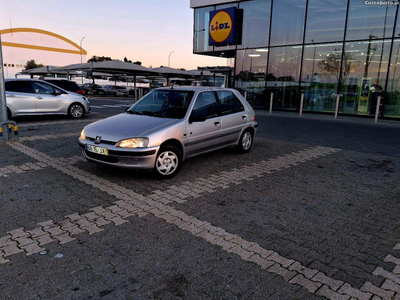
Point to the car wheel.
(115, 94)
(245, 142)
(76, 110)
(168, 162)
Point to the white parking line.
(113, 105)
(130, 203)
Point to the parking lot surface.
(307, 214)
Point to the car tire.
(115, 94)
(245, 142)
(168, 162)
(76, 110)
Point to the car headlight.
(83, 135)
(133, 143)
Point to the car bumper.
(141, 159)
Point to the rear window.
(230, 104)
(19, 87)
(66, 85)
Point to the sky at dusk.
(143, 30)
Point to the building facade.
(319, 48)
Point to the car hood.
(125, 126)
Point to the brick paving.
(258, 219)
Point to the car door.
(204, 124)
(233, 117)
(48, 98)
(20, 97)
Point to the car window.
(230, 104)
(164, 104)
(205, 105)
(19, 87)
(43, 88)
(65, 84)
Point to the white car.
(27, 97)
(169, 125)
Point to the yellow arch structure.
(34, 47)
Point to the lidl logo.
(223, 26)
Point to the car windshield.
(163, 104)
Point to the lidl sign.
(223, 27)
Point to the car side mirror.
(198, 118)
(56, 93)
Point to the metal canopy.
(46, 70)
(123, 68)
(167, 72)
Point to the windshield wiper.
(152, 113)
(133, 112)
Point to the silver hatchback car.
(169, 125)
(37, 97)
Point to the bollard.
(301, 104)
(270, 103)
(378, 103)
(10, 133)
(337, 106)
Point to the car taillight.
(82, 92)
(255, 119)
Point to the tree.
(331, 64)
(182, 69)
(126, 60)
(137, 63)
(31, 64)
(99, 58)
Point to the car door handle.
(244, 117)
(39, 97)
(217, 124)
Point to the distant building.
(50, 49)
(322, 49)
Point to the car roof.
(34, 80)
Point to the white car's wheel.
(245, 142)
(168, 162)
(76, 111)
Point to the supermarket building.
(321, 49)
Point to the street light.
(80, 50)
(169, 56)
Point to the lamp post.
(312, 72)
(80, 50)
(169, 56)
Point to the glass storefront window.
(364, 75)
(287, 22)
(325, 21)
(391, 102)
(251, 65)
(320, 76)
(284, 75)
(201, 29)
(256, 18)
(369, 21)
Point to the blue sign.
(222, 27)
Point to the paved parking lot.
(296, 218)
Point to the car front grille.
(105, 158)
(102, 141)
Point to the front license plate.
(96, 149)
